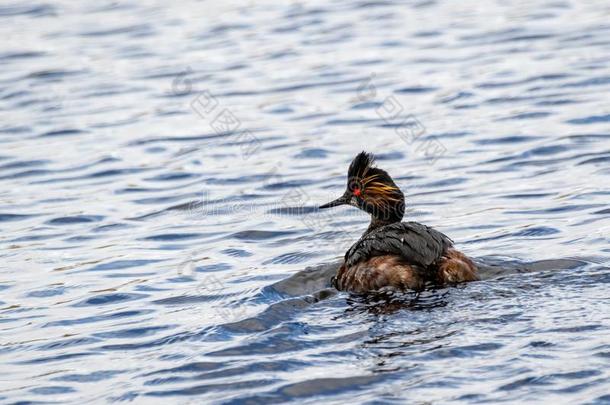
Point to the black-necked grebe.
(391, 253)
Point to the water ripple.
(162, 165)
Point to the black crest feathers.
(360, 165)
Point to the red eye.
(357, 192)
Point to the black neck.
(377, 223)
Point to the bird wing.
(416, 243)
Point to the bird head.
(372, 190)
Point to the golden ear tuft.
(382, 191)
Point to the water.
(153, 253)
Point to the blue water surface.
(161, 164)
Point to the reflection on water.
(161, 165)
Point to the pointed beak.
(343, 200)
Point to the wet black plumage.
(414, 242)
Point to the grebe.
(391, 253)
